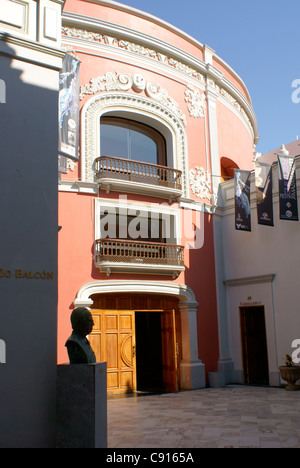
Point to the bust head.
(82, 321)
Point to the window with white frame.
(129, 139)
(129, 221)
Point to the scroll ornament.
(114, 81)
(196, 100)
(200, 183)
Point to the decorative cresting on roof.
(125, 82)
(108, 92)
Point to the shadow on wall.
(28, 233)
(200, 276)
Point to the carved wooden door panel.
(113, 341)
(169, 351)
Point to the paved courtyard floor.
(230, 417)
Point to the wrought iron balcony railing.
(117, 169)
(144, 253)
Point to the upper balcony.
(116, 256)
(123, 174)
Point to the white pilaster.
(192, 369)
(211, 96)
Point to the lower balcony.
(123, 174)
(123, 256)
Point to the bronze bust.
(79, 348)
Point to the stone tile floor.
(230, 417)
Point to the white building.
(30, 61)
(258, 285)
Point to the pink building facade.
(164, 120)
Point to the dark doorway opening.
(149, 365)
(254, 346)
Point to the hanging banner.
(242, 200)
(288, 203)
(264, 193)
(69, 88)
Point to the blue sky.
(260, 40)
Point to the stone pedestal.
(82, 406)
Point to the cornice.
(88, 28)
(141, 14)
(33, 52)
(250, 280)
(122, 32)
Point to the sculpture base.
(82, 406)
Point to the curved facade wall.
(136, 67)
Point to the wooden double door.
(142, 346)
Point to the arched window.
(128, 139)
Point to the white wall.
(28, 231)
(259, 268)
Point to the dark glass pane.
(127, 139)
(114, 140)
(142, 148)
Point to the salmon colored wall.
(135, 21)
(92, 67)
(235, 141)
(200, 277)
(76, 268)
(75, 242)
(77, 211)
(237, 83)
(139, 21)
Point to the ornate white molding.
(209, 76)
(132, 47)
(250, 280)
(200, 183)
(71, 164)
(114, 81)
(104, 101)
(185, 293)
(196, 100)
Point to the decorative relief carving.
(134, 48)
(162, 58)
(71, 164)
(109, 82)
(82, 34)
(200, 183)
(102, 102)
(139, 83)
(124, 82)
(154, 91)
(196, 100)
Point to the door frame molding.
(192, 369)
